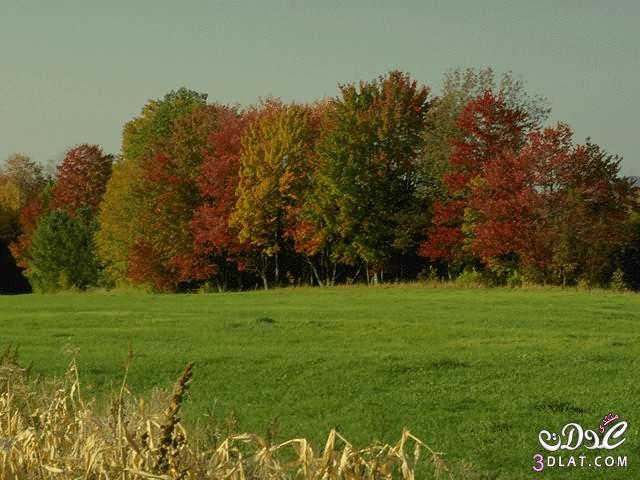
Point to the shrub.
(583, 284)
(471, 278)
(514, 279)
(617, 281)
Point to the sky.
(76, 71)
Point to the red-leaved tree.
(216, 248)
(490, 128)
(554, 211)
(82, 179)
(164, 242)
(80, 183)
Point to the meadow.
(475, 373)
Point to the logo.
(573, 436)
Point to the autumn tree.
(549, 211)
(369, 169)
(514, 229)
(77, 191)
(21, 180)
(163, 253)
(490, 128)
(590, 204)
(119, 209)
(459, 87)
(208, 195)
(28, 220)
(25, 173)
(81, 179)
(11, 202)
(312, 235)
(32, 191)
(630, 255)
(130, 196)
(217, 254)
(273, 177)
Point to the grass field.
(475, 373)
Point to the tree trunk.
(263, 271)
(315, 272)
(355, 276)
(333, 274)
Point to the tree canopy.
(384, 181)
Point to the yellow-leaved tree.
(274, 175)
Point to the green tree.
(369, 170)
(61, 255)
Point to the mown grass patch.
(476, 373)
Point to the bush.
(429, 275)
(583, 284)
(617, 281)
(514, 279)
(471, 278)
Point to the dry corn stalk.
(55, 434)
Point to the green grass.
(476, 373)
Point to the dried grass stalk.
(56, 434)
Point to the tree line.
(383, 182)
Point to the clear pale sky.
(76, 71)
